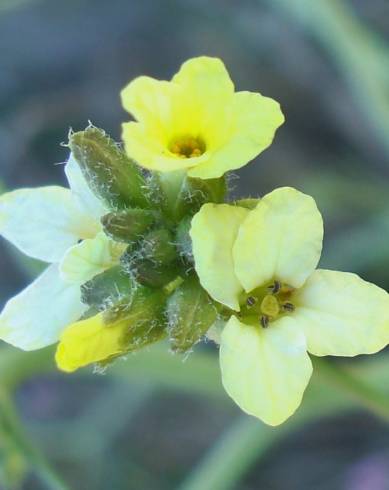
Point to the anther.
(251, 300)
(276, 287)
(264, 321)
(288, 307)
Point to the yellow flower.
(89, 341)
(261, 263)
(196, 121)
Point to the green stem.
(360, 391)
(12, 430)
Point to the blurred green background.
(157, 422)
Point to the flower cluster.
(146, 245)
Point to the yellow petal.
(254, 120)
(280, 239)
(205, 79)
(90, 257)
(213, 232)
(265, 371)
(88, 341)
(342, 315)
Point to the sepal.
(127, 225)
(190, 313)
(110, 174)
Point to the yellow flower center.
(187, 147)
(266, 304)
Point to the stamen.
(251, 300)
(288, 307)
(264, 321)
(187, 147)
(275, 287)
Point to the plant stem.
(11, 429)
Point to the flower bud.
(111, 175)
(158, 246)
(190, 313)
(127, 225)
(147, 272)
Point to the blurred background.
(154, 422)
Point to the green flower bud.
(190, 313)
(158, 246)
(106, 289)
(109, 172)
(127, 225)
(149, 273)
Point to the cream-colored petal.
(280, 239)
(89, 258)
(213, 232)
(342, 315)
(43, 222)
(88, 202)
(265, 371)
(254, 120)
(36, 317)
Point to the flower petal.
(254, 121)
(90, 257)
(265, 371)
(43, 222)
(89, 341)
(342, 315)
(88, 202)
(213, 232)
(280, 239)
(205, 79)
(35, 317)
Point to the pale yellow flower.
(196, 121)
(61, 227)
(261, 263)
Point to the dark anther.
(275, 287)
(288, 307)
(264, 321)
(251, 301)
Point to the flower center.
(267, 303)
(187, 147)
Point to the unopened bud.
(110, 174)
(127, 225)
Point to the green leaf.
(111, 175)
(127, 225)
(190, 313)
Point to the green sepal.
(110, 174)
(106, 288)
(183, 240)
(190, 313)
(144, 314)
(249, 203)
(127, 225)
(178, 195)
